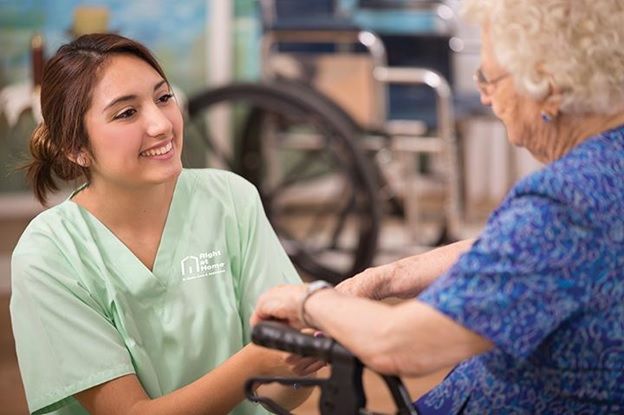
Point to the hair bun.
(41, 147)
(40, 168)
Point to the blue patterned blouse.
(545, 283)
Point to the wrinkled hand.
(280, 303)
(369, 283)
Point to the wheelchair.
(328, 173)
(342, 393)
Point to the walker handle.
(276, 335)
(342, 393)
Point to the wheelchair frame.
(402, 142)
(396, 137)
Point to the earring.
(546, 117)
(81, 160)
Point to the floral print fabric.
(545, 283)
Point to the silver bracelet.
(312, 288)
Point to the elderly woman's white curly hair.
(578, 45)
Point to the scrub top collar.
(123, 256)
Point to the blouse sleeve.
(64, 342)
(264, 263)
(529, 272)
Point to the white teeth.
(157, 151)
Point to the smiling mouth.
(157, 151)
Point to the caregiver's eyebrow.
(125, 98)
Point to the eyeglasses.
(483, 83)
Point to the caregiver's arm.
(410, 339)
(407, 277)
(217, 392)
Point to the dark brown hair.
(68, 81)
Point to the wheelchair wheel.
(300, 151)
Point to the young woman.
(134, 295)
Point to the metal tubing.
(446, 129)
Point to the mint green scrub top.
(85, 310)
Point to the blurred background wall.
(177, 32)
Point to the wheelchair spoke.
(201, 129)
(299, 173)
(341, 221)
(328, 223)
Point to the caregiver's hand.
(304, 366)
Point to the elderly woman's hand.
(370, 283)
(404, 278)
(281, 303)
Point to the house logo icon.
(190, 266)
(203, 265)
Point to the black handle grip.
(279, 336)
(342, 392)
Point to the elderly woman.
(531, 313)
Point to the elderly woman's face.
(519, 113)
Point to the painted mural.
(175, 31)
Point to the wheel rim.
(310, 183)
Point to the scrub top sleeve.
(64, 342)
(521, 279)
(264, 263)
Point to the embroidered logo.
(202, 265)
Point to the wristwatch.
(313, 287)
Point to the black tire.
(277, 110)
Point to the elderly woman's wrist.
(385, 285)
(401, 281)
(311, 306)
(310, 290)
